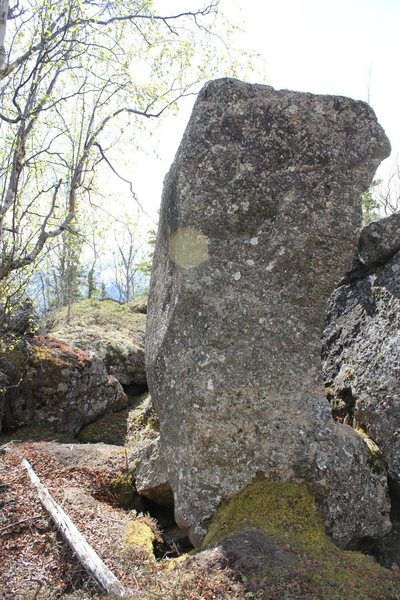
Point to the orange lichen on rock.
(46, 347)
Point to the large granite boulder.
(50, 383)
(361, 342)
(115, 332)
(259, 219)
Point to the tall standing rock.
(260, 215)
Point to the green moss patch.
(286, 511)
(110, 429)
(142, 534)
(123, 490)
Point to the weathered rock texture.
(54, 384)
(115, 332)
(146, 461)
(260, 214)
(361, 342)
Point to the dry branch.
(85, 553)
(16, 523)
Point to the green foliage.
(145, 265)
(371, 207)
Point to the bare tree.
(387, 192)
(127, 257)
(67, 94)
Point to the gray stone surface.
(259, 220)
(151, 475)
(361, 342)
(378, 242)
(146, 461)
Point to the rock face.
(146, 461)
(56, 385)
(361, 342)
(151, 475)
(260, 213)
(113, 331)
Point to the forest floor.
(36, 563)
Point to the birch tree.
(69, 92)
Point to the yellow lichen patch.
(376, 458)
(176, 562)
(142, 533)
(287, 512)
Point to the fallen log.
(84, 552)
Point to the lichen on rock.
(146, 461)
(361, 340)
(60, 386)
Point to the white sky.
(346, 47)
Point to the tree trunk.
(3, 29)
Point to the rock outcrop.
(52, 383)
(259, 220)
(115, 332)
(361, 342)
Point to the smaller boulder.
(146, 463)
(150, 473)
(272, 538)
(378, 243)
(60, 386)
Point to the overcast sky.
(346, 47)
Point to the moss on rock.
(142, 534)
(123, 490)
(376, 457)
(110, 429)
(143, 425)
(286, 511)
